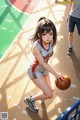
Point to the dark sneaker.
(31, 105)
(70, 51)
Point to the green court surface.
(11, 22)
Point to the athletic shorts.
(36, 74)
(72, 22)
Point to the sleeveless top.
(76, 9)
(46, 54)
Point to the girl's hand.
(59, 77)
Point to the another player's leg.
(70, 35)
(78, 26)
(70, 40)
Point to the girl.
(44, 40)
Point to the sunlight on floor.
(56, 101)
(55, 61)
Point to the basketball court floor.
(17, 24)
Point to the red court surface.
(26, 6)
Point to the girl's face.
(47, 37)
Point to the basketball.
(64, 83)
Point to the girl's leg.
(50, 81)
(42, 84)
(45, 87)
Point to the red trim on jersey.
(35, 65)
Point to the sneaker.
(31, 105)
(70, 51)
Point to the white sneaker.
(31, 105)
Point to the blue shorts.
(36, 74)
(72, 22)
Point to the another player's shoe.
(31, 104)
(70, 50)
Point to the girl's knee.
(50, 95)
(52, 90)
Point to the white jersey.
(45, 53)
(35, 69)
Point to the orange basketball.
(64, 83)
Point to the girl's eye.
(44, 34)
(51, 33)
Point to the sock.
(70, 45)
(32, 98)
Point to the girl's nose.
(48, 36)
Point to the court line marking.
(13, 41)
(18, 33)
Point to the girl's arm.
(39, 57)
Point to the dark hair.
(41, 18)
(44, 25)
